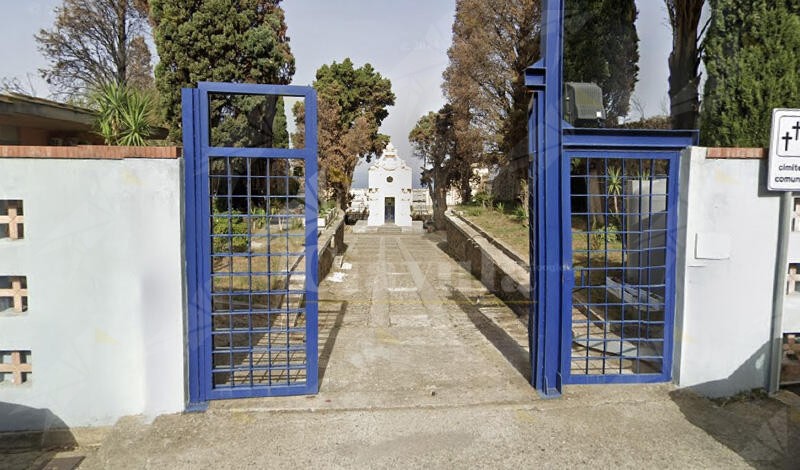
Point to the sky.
(405, 41)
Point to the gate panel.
(623, 223)
(251, 245)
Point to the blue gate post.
(190, 102)
(550, 174)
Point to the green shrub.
(483, 199)
(232, 223)
(520, 214)
(602, 235)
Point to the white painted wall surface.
(791, 308)
(102, 253)
(727, 251)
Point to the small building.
(389, 194)
(27, 120)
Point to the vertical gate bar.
(205, 247)
(249, 221)
(229, 217)
(533, 244)
(587, 279)
(312, 274)
(670, 260)
(271, 315)
(552, 171)
(196, 392)
(625, 244)
(605, 233)
(649, 265)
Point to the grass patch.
(599, 247)
(246, 270)
(502, 223)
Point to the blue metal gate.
(603, 230)
(251, 244)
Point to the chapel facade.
(389, 194)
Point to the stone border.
(89, 152)
(501, 274)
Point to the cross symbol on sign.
(787, 138)
(796, 130)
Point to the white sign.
(784, 151)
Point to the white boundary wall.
(102, 256)
(726, 272)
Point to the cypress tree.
(601, 45)
(240, 41)
(752, 57)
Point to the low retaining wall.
(501, 274)
(331, 243)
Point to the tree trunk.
(439, 206)
(122, 41)
(684, 61)
(596, 197)
(466, 189)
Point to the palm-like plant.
(614, 186)
(124, 115)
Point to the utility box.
(583, 104)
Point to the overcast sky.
(405, 41)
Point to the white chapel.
(389, 194)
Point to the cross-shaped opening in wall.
(17, 364)
(15, 290)
(793, 279)
(796, 215)
(11, 219)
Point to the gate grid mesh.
(257, 238)
(619, 245)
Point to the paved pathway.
(421, 367)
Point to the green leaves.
(753, 66)
(602, 47)
(352, 105)
(357, 92)
(240, 41)
(125, 115)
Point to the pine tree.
(753, 66)
(352, 106)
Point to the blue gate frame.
(287, 363)
(552, 146)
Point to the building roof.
(28, 111)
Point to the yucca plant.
(124, 114)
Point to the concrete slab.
(436, 378)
